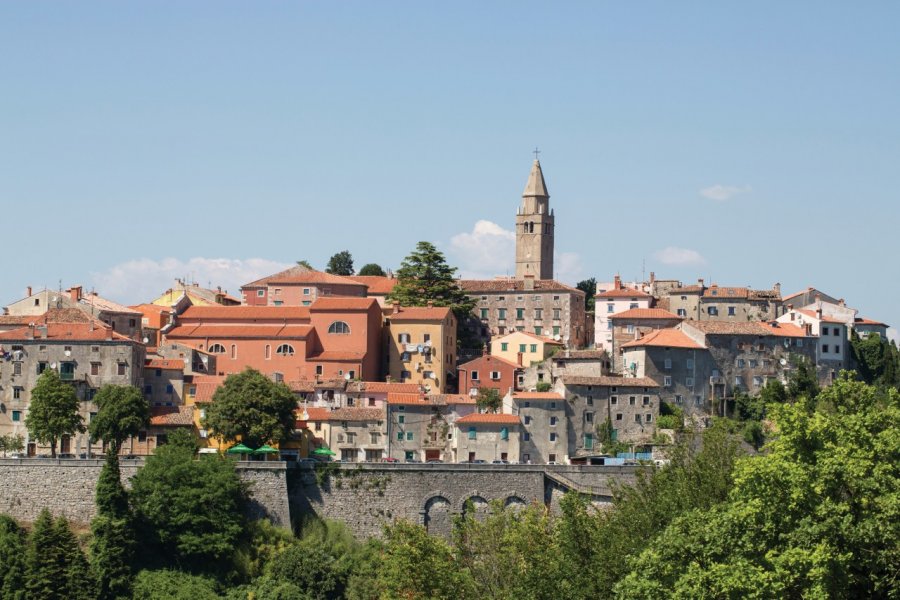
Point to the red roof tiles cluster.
(513, 285)
(246, 313)
(546, 396)
(299, 274)
(420, 313)
(667, 338)
(81, 332)
(164, 363)
(171, 416)
(489, 419)
(645, 313)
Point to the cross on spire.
(536, 152)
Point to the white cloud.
(143, 279)
(679, 257)
(568, 268)
(721, 193)
(488, 250)
(893, 334)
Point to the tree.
(190, 513)
(589, 287)
(12, 563)
(113, 542)
(424, 277)
(340, 264)
(122, 412)
(372, 270)
(173, 585)
(802, 382)
(56, 569)
(773, 392)
(488, 399)
(53, 411)
(251, 408)
(305, 263)
(11, 443)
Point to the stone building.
(717, 303)
(421, 346)
(420, 427)
(164, 381)
(541, 307)
(629, 406)
(586, 363)
(544, 426)
(632, 324)
(122, 319)
(488, 437)
(834, 339)
(86, 355)
(354, 434)
(535, 229)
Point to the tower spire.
(535, 228)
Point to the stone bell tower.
(535, 229)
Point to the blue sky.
(746, 144)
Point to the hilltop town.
(531, 371)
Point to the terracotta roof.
(715, 291)
(378, 286)
(338, 356)
(78, 332)
(206, 386)
(645, 313)
(382, 387)
(490, 419)
(299, 274)
(342, 304)
(547, 396)
(171, 416)
(472, 286)
(156, 309)
(100, 303)
(531, 335)
(622, 293)
(236, 331)
(163, 363)
(315, 413)
(785, 329)
(304, 385)
(67, 315)
(864, 321)
(419, 313)
(401, 398)
(668, 338)
(17, 319)
(800, 293)
(824, 318)
(445, 399)
(245, 313)
(357, 414)
(486, 358)
(608, 381)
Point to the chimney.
(109, 334)
(396, 307)
(75, 293)
(617, 283)
(43, 331)
(519, 358)
(529, 283)
(819, 312)
(841, 302)
(486, 349)
(28, 292)
(700, 282)
(777, 288)
(652, 277)
(30, 334)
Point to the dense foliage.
(488, 400)
(122, 411)
(372, 270)
(424, 276)
(251, 408)
(589, 287)
(53, 410)
(340, 264)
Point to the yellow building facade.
(532, 348)
(421, 346)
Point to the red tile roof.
(401, 398)
(729, 327)
(315, 413)
(378, 286)
(245, 313)
(715, 291)
(800, 293)
(224, 332)
(864, 321)
(785, 329)
(489, 358)
(154, 309)
(206, 386)
(824, 318)
(339, 303)
(419, 313)
(164, 363)
(299, 275)
(608, 381)
(171, 416)
(580, 355)
(668, 338)
(622, 293)
(490, 419)
(445, 399)
(76, 332)
(382, 387)
(547, 396)
(473, 286)
(337, 356)
(645, 313)
(357, 414)
(102, 304)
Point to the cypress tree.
(113, 541)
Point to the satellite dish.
(52, 365)
(146, 339)
(783, 361)
(68, 353)
(557, 337)
(347, 376)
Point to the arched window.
(217, 349)
(339, 327)
(233, 351)
(284, 350)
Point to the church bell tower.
(535, 229)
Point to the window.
(610, 307)
(405, 356)
(618, 416)
(631, 400)
(474, 375)
(16, 415)
(484, 314)
(495, 375)
(501, 314)
(401, 419)
(148, 390)
(520, 314)
(588, 417)
(399, 436)
(629, 328)
(374, 438)
(17, 368)
(306, 303)
(504, 433)
(528, 419)
(738, 381)
(730, 311)
(522, 347)
(740, 363)
(753, 363)
(553, 436)
(637, 418)
(678, 399)
(757, 381)
(319, 369)
(552, 421)
(667, 364)
(556, 330)
(590, 400)
(95, 348)
(473, 432)
(533, 348)
(121, 368)
(682, 312)
(538, 314)
(837, 349)
(689, 382)
(217, 349)
(633, 305)
(799, 343)
(95, 368)
(260, 293)
(339, 328)
(504, 346)
(556, 314)
(371, 402)
(649, 417)
(713, 311)
(825, 348)
(824, 331)
(349, 401)
(588, 441)
(405, 375)
(646, 400)
(428, 374)
(538, 330)
(17, 393)
(287, 350)
(306, 291)
(613, 400)
(526, 437)
(233, 351)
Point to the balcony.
(716, 380)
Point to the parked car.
(499, 462)
(435, 461)
(390, 459)
(479, 461)
(66, 455)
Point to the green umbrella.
(323, 451)
(239, 449)
(265, 450)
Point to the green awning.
(323, 451)
(266, 450)
(239, 449)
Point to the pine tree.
(12, 563)
(113, 542)
(340, 264)
(424, 276)
(52, 561)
